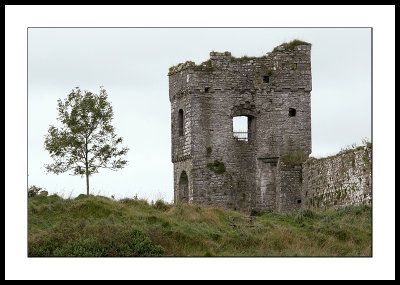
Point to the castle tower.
(213, 165)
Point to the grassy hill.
(100, 226)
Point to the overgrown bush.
(134, 202)
(294, 158)
(141, 245)
(81, 196)
(161, 205)
(127, 243)
(256, 213)
(44, 193)
(34, 190)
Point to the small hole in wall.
(298, 201)
(206, 89)
(266, 79)
(292, 112)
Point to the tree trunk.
(87, 182)
(87, 167)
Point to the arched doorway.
(184, 187)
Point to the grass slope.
(99, 226)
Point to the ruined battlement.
(218, 58)
(212, 165)
(283, 68)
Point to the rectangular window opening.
(241, 128)
(266, 79)
(206, 89)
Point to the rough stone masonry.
(213, 165)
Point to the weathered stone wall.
(290, 187)
(241, 175)
(181, 143)
(338, 181)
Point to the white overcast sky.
(132, 65)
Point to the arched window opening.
(184, 187)
(180, 122)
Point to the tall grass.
(99, 226)
(294, 158)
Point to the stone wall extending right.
(338, 181)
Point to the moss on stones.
(217, 166)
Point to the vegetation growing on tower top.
(180, 66)
(204, 66)
(245, 57)
(292, 44)
(207, 65)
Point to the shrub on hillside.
(161, 205)
(59, 243)
(141, 245)
(81, 196)
(134, 202)
(34, 190)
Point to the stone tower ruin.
(213, 165)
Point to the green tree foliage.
(34, 190)
(86, 141)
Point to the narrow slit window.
(180, 122)
(292, 112)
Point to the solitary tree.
(86, 141)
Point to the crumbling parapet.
(340, 180)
